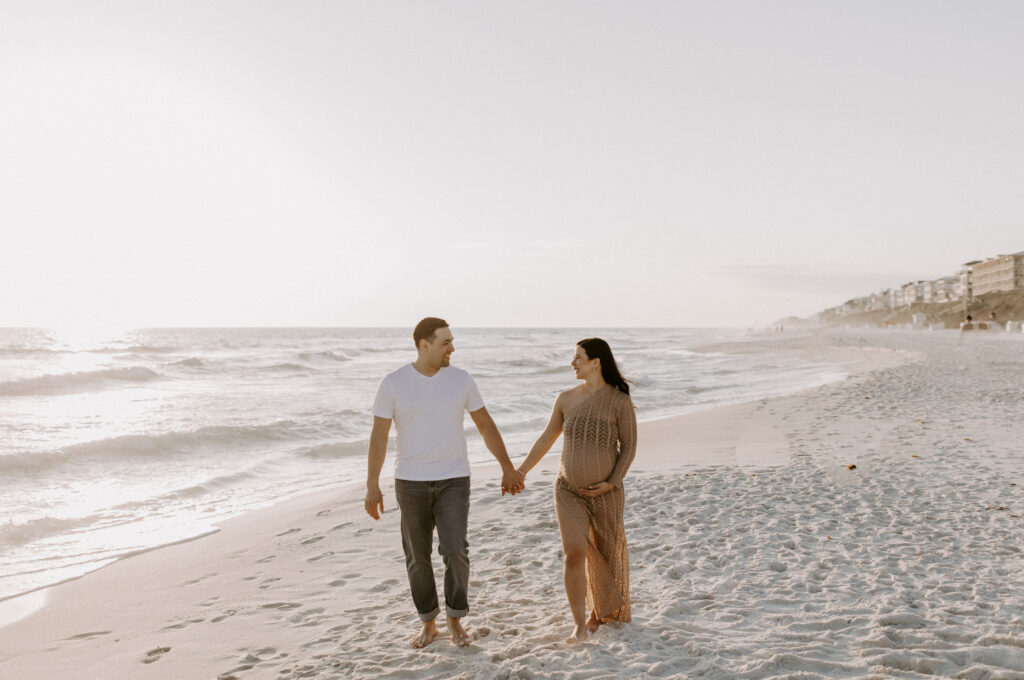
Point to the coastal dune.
(870, 527)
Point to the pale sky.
(498, 163)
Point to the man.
(427, 399)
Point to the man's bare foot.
(459, 636)
(426, 635)
(579, 634)
(593, 623)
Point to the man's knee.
(453, 548)
(418, 560)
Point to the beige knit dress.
(599, 445)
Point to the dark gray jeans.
(425, 505)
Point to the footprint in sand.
(676, 572)
(308, 618)
(248, 663)
(320, 557)
(383, 585)
(155, 654)
(323, 513)
(289, 531)
(282, 605)
(183, 624)
(340, 526)
(338, 583)
(228, 613)
(86, 636)
(315, 539)
(268, 558)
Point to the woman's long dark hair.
(596, 348)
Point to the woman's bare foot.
(459, 636)
(593, 623)
(426, 635)
(579, 634)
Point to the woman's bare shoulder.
(567, 398)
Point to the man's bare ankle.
(428, 631)
(457, 633)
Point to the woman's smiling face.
(584, 365)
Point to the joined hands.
(512, 482)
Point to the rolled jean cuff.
(455, 613)
(430, 616)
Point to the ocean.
(113, 445)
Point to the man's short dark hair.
(425, 329)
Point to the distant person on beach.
(426, 400)
(967, 325)
(599, 425)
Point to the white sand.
(755, 553)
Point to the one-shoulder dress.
(599, 445)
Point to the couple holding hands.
(426, 400)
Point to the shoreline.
(15, 608)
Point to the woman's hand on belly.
(595, 490)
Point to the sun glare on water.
(85, 337)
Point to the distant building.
(940, 290)
(1005, 272)
(912, 293)
(945, 289)
(965, 287)
(927, 292)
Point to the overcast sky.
(498, 163)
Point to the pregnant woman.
(599, 425)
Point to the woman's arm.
(546, 439)
(627, 441)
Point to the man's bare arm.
(511, 479)
(378, 451)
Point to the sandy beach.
(867, 528)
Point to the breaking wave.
(150, 446)
(35, 529)
(81, 381)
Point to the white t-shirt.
(428, 414)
